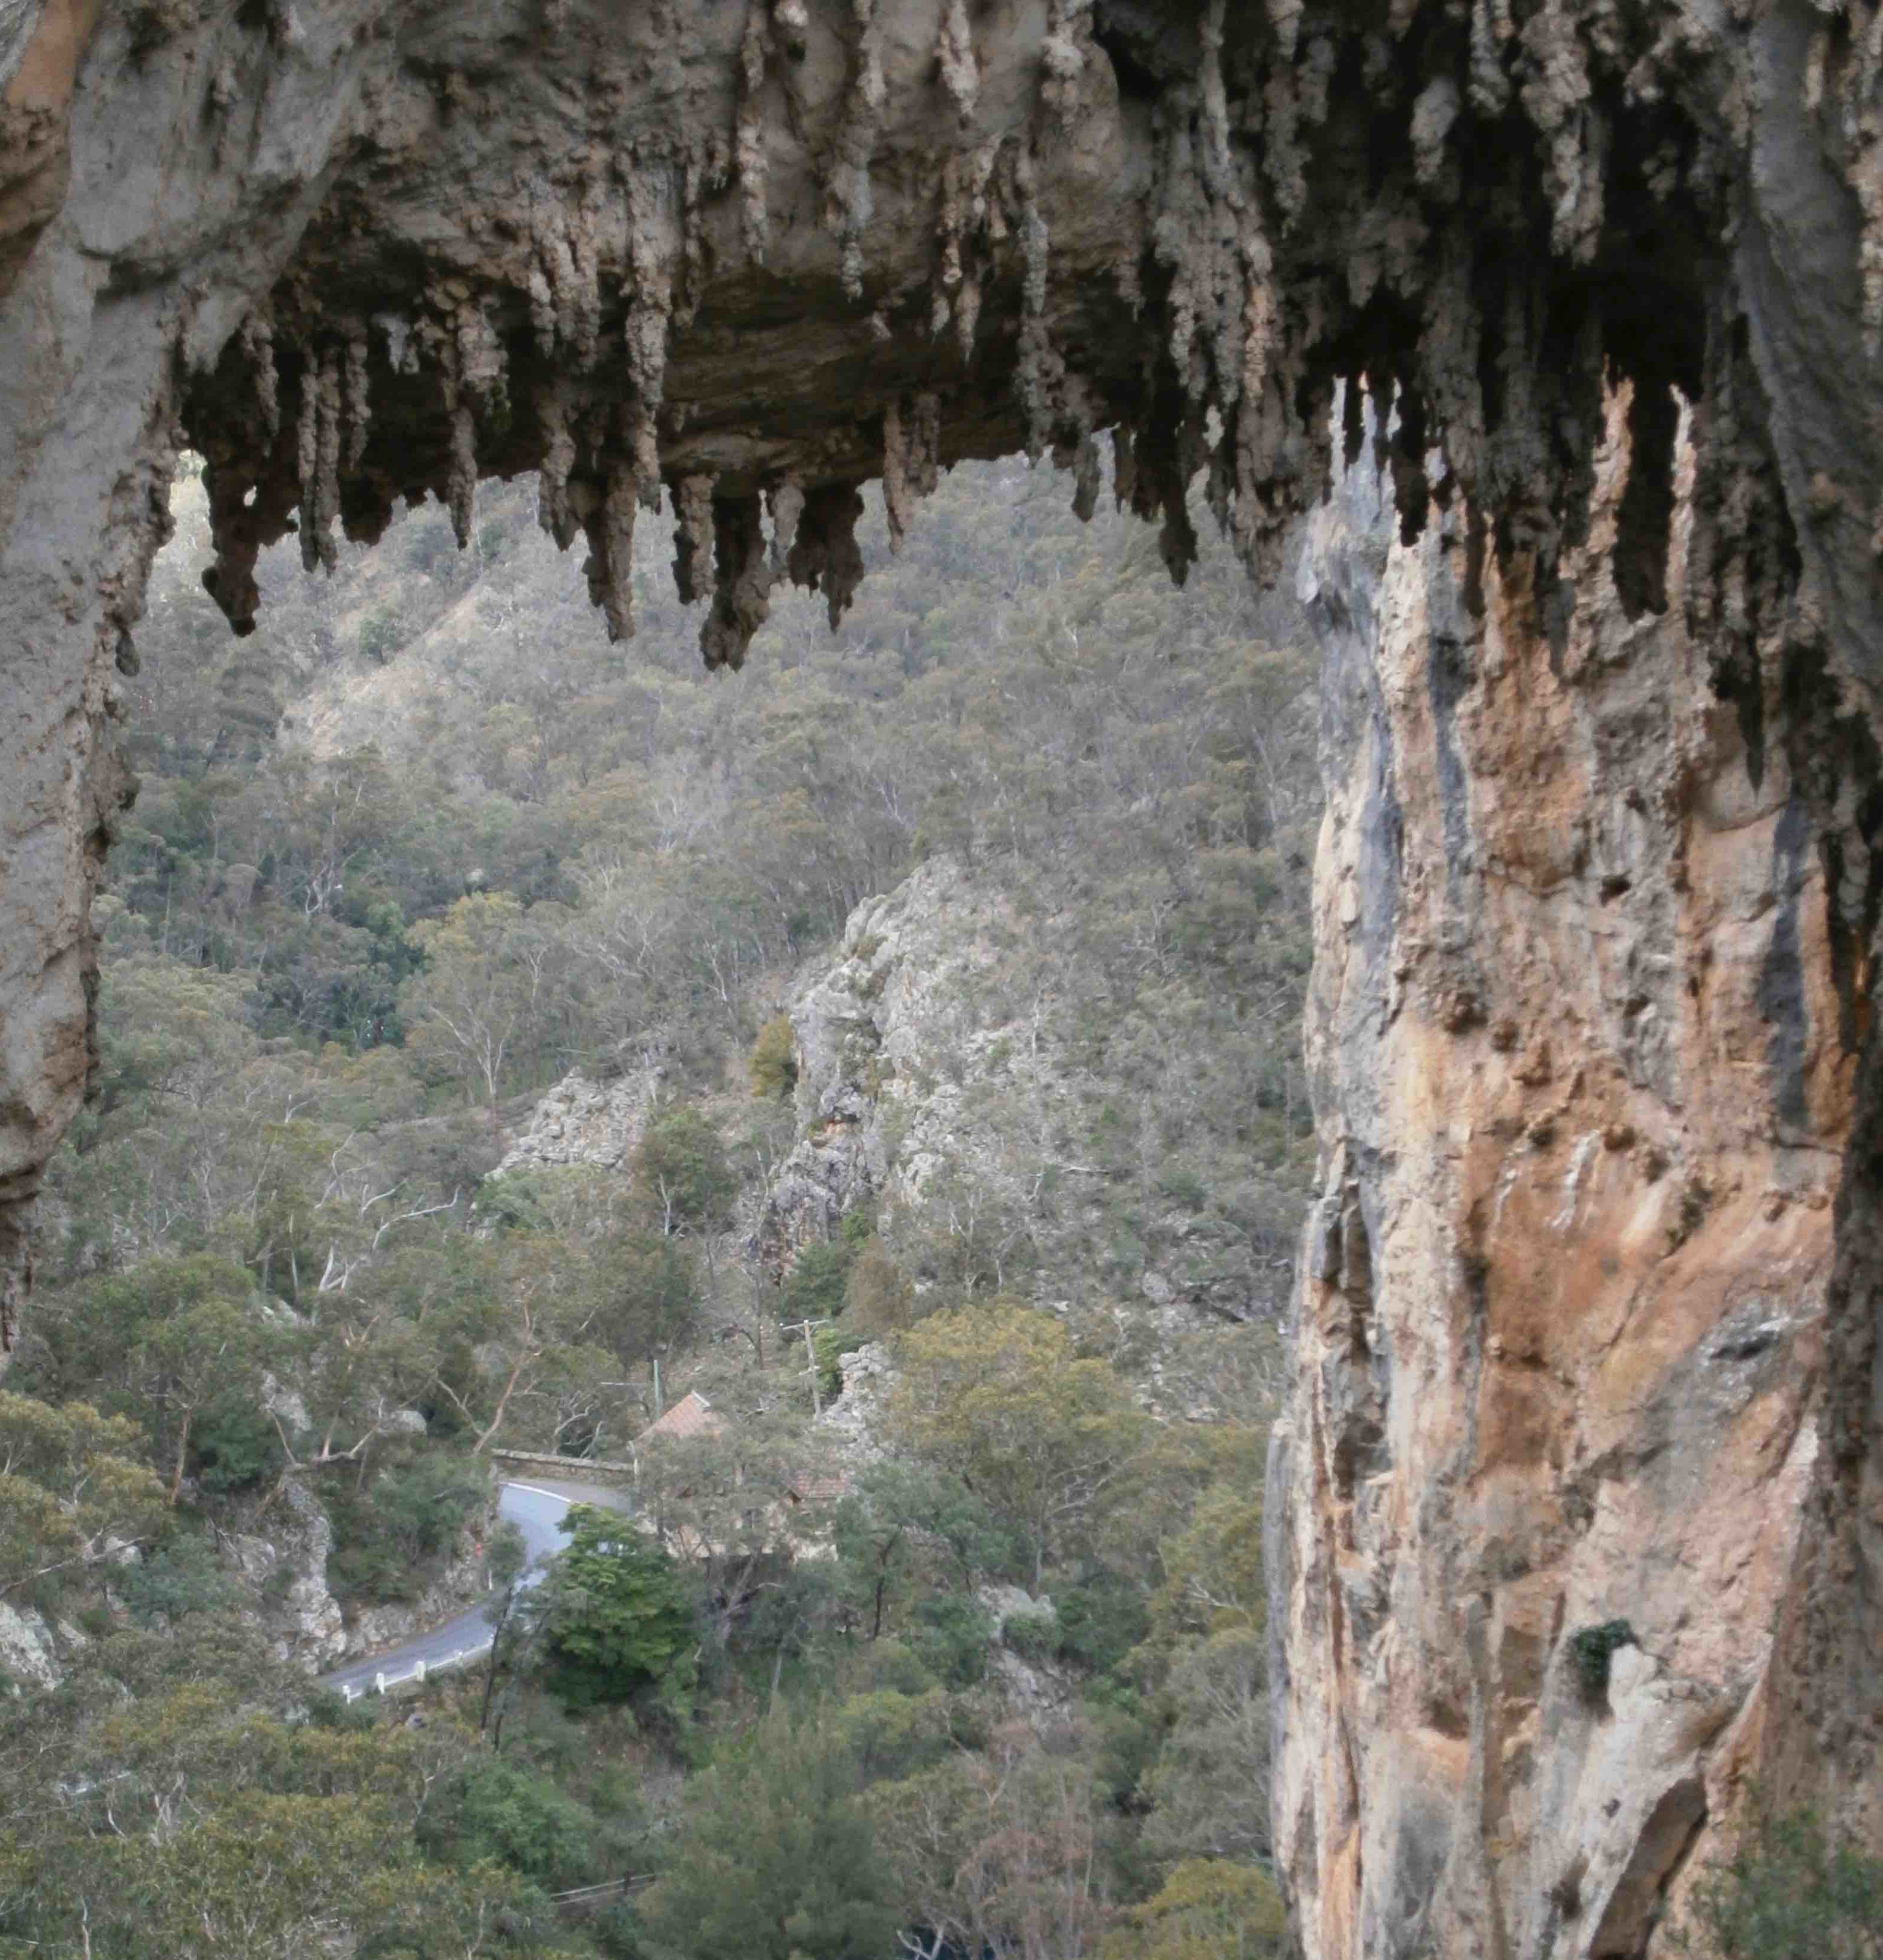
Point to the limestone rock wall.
(1584, 1047)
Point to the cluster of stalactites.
(813, 543)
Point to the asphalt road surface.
(536, 1510)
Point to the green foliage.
(1101, 1623)
(996, 1395)
(1591, 1648)
(773, 1857)
(380, 634)
(1791, 1892)
(828, 1346)
(814, 1289)
(950, 1637)
(682, 1174)
(389, 1537)
(237, 1446)
(617, 1622)
(878, 1298)
(496, 1810)
(176, 1578)
(71, 1481)
(1210, 1784)
(1207, 1909)
(772, 1065)
(1034, 1637)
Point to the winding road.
(536, 1510)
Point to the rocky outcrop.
(890, 1053)
(283, 1565)
(1583, 1037)
(855, 1426)
(581, 1123)
(1598, 896)
(28, 1657)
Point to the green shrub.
(388, 1538)
(1592, 1648)
(1034, 1637)
(772, 1064)
(815, 1289)
(495, 1808)
(1790, 1894)
(180, 1577)
(951, 1638)
(381, 634)
(1185, 1188)
(237, 1446)
(618, 1620)
(681, 1171)
(828, 1344)
(878, 1298)
(1100, 1623)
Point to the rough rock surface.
(1584, 1060)
(890, 1053)
(28, 1657)
(283, 1562)
(585, 1123)
(855, 1424)
(757, 254)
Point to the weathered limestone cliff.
(1588, 1333)
(1583, 1038)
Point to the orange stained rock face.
(1585, 1066)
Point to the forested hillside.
(976, 1658)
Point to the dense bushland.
(402, 859)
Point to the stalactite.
(318, 451)
(791, 22)
(542, 312)
(461, 480)
(1124, 467)
(402, 349)
(754, 52)
(786, 504)
(742, 582)
(359, 409)
(575, 277)
(824, 555)
(610, 568)
(707, 166)
(307, 460)
(1063, 54)
(483, 368)
(643, 444)
(911, 459)
(1086, 478)
(954, 62)
(1039, 367)
(463, 476)
(558, 458)
(258, 344)
(692, 537)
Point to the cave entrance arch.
(761, 253)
